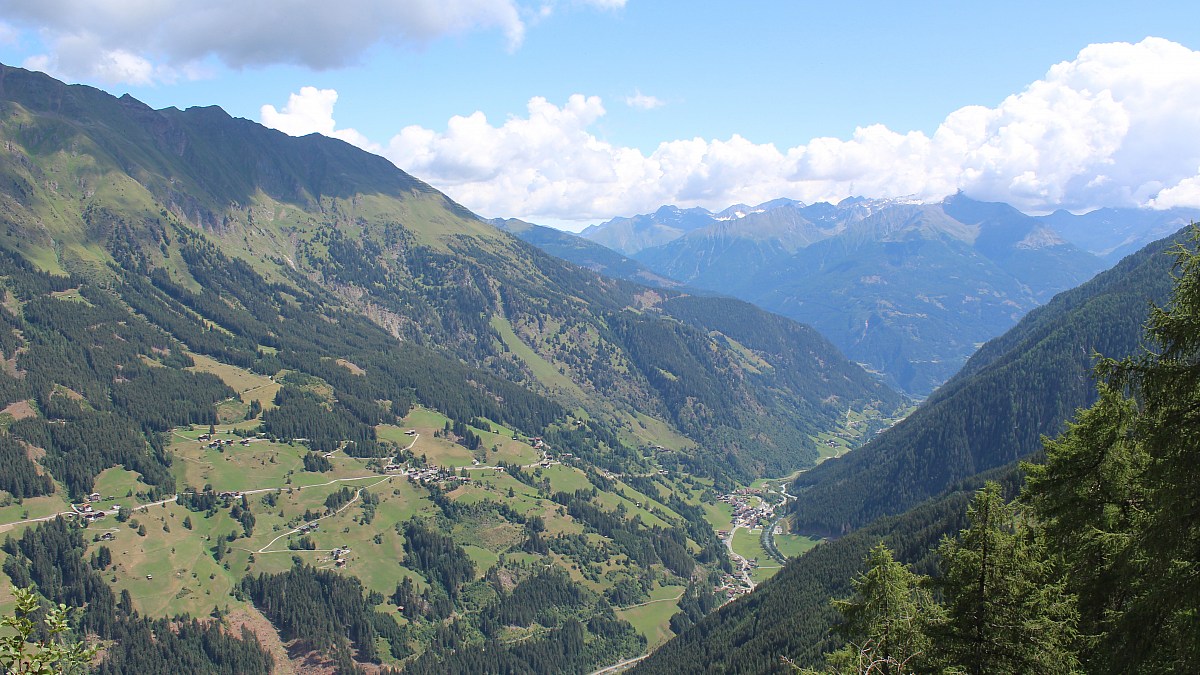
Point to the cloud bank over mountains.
(137, 42)
(1117, 126)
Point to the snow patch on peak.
(738, 215)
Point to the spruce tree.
(1120, 493)
(1090, 500)
(1005, 611)
(885, 619)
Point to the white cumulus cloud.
(1117, 126)
(311, 112)
(132, 40)
(644, 101)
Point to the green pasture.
(792, 545)
(652, 618)
(746, 544)
(249, 386)
(545, 371)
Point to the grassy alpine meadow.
(119, 482)
(545, 371)
(169, 569)
(33, 507)
(652, 617)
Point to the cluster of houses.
(309, 527)
(747, 513)
(734, 585)
(212, 442)
(339, 556)
(428, 474)
(90, 513)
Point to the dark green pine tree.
(1005, 611)
(1163, 622)
(1120, 493)
(1090, 499)
(885, 620)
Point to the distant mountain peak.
(1041, 237)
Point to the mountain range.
(909, 290)
(96, 180)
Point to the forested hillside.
(791, 614)
(97, 181)
(1088, 570)
(1018, 388)
(237, 363)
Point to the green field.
(117, 482)
(250, 386)
(183, 575)
(652, 618)
(446, 453)
(565, 478)
(746, 544)
(768, 570)
(646, 430)
(793, 544)
(35, 507)
(719, 515)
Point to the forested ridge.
(1076, 562)
(1093, 567)
(1020, 386)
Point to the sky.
(571, 112)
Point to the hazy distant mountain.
(1115, 233)
(908, 289)
(630, 235)
(575, 249)
(1017, 388)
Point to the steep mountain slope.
(1022, 384)
(1024, 247)
(908, 289)
(96, 179)
(112, 383)
(584, 253)
(1019, 387)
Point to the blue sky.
(731, 96)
